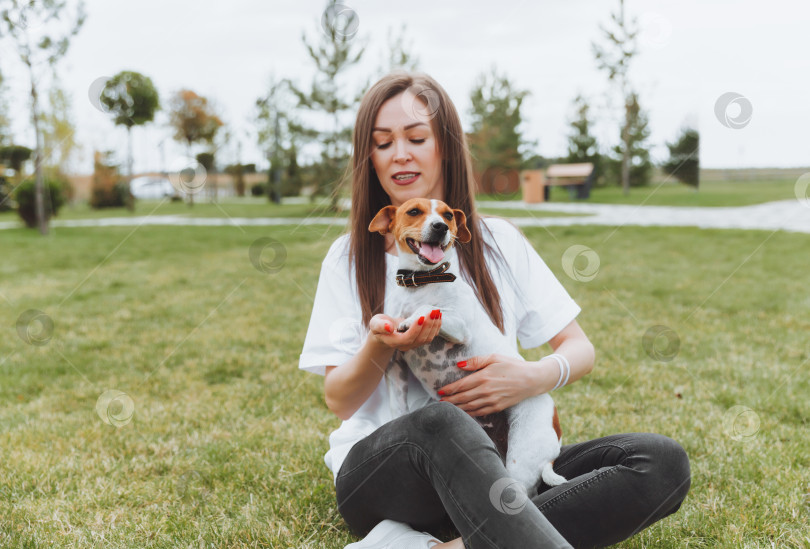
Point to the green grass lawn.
(223, 445)
(710, 193)
(226, 207)
(248, 207)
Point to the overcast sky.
(692, 53)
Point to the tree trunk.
(190, 195)
(130, 199)
(334, 164)
(274, 183)
(626, 149)
(39, 184)
(213, 182)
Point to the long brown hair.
(367, 250)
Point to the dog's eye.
(448, 216)
(414, 211)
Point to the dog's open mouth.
(430, 252)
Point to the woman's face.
(405, 153)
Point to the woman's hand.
(498, 382)
(383, 329)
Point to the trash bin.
(533, 186)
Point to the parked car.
(152, 187)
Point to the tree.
(582, 146)
(634, 148)
(276, 132)
(207, 160)
(132, 100)
(684, 158)
(58, 135)
(5, 121)
(41, 31)
(5, 194)
(237, 171)
(399, 56)
(333, 56)
(615, 59)
(15, 156)
(193, 120)
(496, 142)
(108, 190)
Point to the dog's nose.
(439, 227)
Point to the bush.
(108, 190)
(24, 194)
(257, 190)
(206, 160)
(68, 190)
(116, 196)
(5, 195)
(684, 160)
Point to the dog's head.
(424, 229)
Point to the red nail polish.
(421, 320)
(462, 364)
(441, 393)
(388, 328)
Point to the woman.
(401, 471)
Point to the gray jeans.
(437, 470)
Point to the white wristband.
(562, 373)
(565, 370)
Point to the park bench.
(578, 178)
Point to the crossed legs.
(435, 468)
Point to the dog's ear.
(463, 233)
(383, 220)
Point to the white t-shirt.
(536, 308)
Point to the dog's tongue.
(431, 252)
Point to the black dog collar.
(411, 279)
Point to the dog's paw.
(403, 326)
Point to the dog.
(527, 435)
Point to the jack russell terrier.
(528, 434)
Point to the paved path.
(787, 215)
(181, 220)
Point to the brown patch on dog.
(497, 431)
(383, 220)
(556, 422)
(463, 235)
